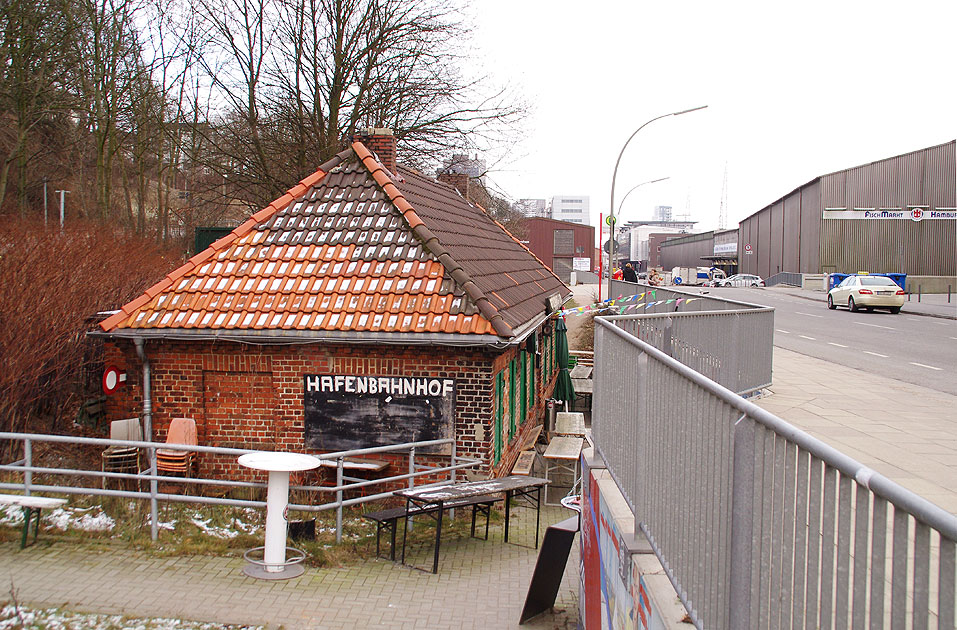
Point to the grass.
(192, 529)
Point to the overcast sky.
(793, 91)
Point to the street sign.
(610, 220)
(112, 377)
(747, 249)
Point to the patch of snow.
(12, 618)
(84, 519)
(212, 530)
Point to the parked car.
(867, 292)
(741, 280)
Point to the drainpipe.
(148, 433)
(147, 394)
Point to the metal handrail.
(922, 509)
(751, 517)
(25, 467)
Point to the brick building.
(369, 305)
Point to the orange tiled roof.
(345, 255)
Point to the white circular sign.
(112, 378)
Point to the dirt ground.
(580, 328)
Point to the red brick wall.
(252, 396)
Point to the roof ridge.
(244, 228)
(431, 242)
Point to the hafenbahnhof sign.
(344, 412)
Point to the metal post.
(340, 462)
(408, 522)
(742, 523)
(27, 464)
(452, 462)
(918, 293)
(62, 204)
(154, 490)
(948, 293)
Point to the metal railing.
(344, 482)
(757, 524)
(785, 277)
(729, 342)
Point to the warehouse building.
(896, 215)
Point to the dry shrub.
(52, 284)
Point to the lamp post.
(634, 188)
(614, 176)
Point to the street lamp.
(611, 245)
(634, 188)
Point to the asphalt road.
(915, 349)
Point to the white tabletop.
(275, 461)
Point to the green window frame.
(499, 408)
(511, 399)
(532, 394)
(524, 416)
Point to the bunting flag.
(623, 304)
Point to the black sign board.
(346, 412)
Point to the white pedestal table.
(274, 565)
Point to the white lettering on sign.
(871, 214)
(391, 385)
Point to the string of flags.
(623, 304)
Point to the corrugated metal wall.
(792, 235)
(687, 251)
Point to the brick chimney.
(381, 142)
(460, 181)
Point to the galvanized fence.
(733, 348)
(757, 524)
(26, 469)
(785, 277)
(729, 342)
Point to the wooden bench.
(31, 505)
(387, 519)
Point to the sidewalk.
(906, 432)
(480, 584)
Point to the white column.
(277, 498)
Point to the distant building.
(531, 207)
(637, 234)
(708, 249)
(462, 164)
(562, 247)
(662, 213)
(894, 215)
(574, 209)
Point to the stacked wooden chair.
(118, 458)
(169, 460)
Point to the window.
(564, 242)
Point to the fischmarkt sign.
(910, 213)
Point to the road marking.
(807, 314)
(929, 367)
(831, 343)
(786, 332)
(806, 337)
(875, 326)
(875, 354)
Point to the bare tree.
(35, 77)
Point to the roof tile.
(350, 250)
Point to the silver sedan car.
(868, 292)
